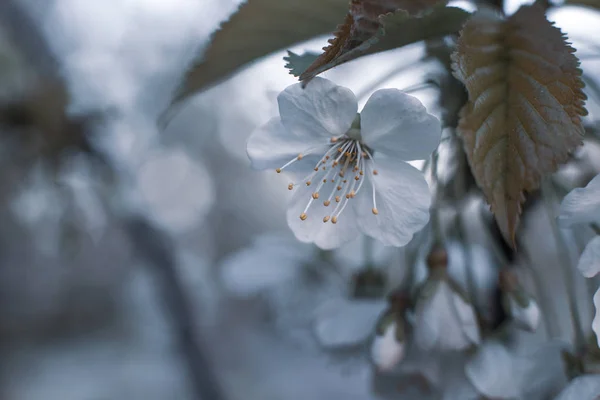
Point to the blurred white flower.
(582, 206)
(350, 158)
(306, 296)
(444, 318)
(498, 371)
(177, 190)
(343, 323)
(585, 387)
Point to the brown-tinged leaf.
(523, 116)
(397, 30)
(363, 23)
(258, 28)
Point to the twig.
(155, 247)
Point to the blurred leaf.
(257, 29)
(523, 117)
(397, 30)
(362, 24)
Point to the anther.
(356, 178)
(361, 172)
(348, 196)
(340, 150)
(334, 139)
(327, 157)
(335, 163)
(352, 194)
(300, 156)
(345, 181)
(316, 168)
(341, 174)
(315, 195)
(339, 188)
(337, 199)
(308, 183)
(326, 219)
(324, 180)
(375, 211)
(278, 170)
(334, 220)
(375, 172)
(326, 203)
(290, 186)
(303, 216)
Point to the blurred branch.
(25, 33)
(156, 248)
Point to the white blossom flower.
(532, 371)
(306, 296)
(355, 165)
(444, 317)
(580, 206)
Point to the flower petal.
(586, 387)
(403, 200)
(272, 145)
(321, 110)
(341, 323)
(589, 262)
(581, 205)
(596, 321)
(267, 263)
(491, 371)
(395, 123)
(326, 235)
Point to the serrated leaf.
(298, 63)
(523, 116)
(362, 24)
(258, 28)
(397, 30)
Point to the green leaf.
(259, 28)
(400, 29)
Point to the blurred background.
(151, 264)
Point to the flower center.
(346, 164)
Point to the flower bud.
(388, 347)
(517, 302)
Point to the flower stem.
(549, 197)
